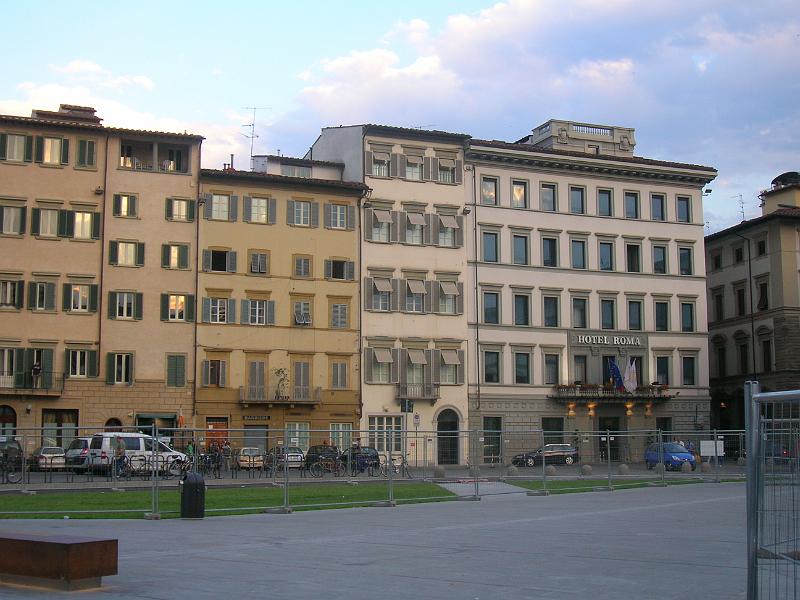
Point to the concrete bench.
(65, 562)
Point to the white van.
(138, 446)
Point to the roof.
(781, 188)
(626, 159)
(265, 179)
(303, 162)
(65, 124)
(781, 213)
(409, 132)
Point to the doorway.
(614, 445)
(447, 437)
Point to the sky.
(711, 82)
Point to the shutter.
(233, 208)
(263, 267)
(247, 209)
(393, 165)
(22, 213)
(427, 370)
(189, 210)
(3, 143)
(66, 364)
(395, 300)
(92, 364)
(351, 218)
(95, 226)
(426, 168)
(168, 209)
(206, 314)
(90, 153)
(223, 367)
(132, 206)
(367, 163)
(434, 169)
(401, 358)
(458, 172)
(35, 220)
(436, 290)
(205, 372)
(460, 368)
(64, 151)
(208, 200)
(70, 223)
(290, 212)
(183, 257)
(93, 292)
(109, 368)
(245, 316)
(328, 269)
(460, 299)
(139, 254)
(436, 222)
(138, 306)
(402, 222)
(66, 297)
(270, 312)
(165, 307)
(31, 294)
(116, 209)
(62, 223)
(326, 215)
(434, 365)
(368, 223)
(369, 357)
(28, 148)
(180, 371)
(80, 160)
(428, 302)
(254, 262)
(19, 296)
(459, 232)
(206, 260)
(165, 252)
(19, 367)
(39, 149)
(394, 369)
(50, 296)
(47, 368)
(189, 314)
(401, 166)
(315, 214)
(350, 270)
(112, 305)
(171, 366)
(395, 226)
(231, 261)
(231, 316)
(427, 233)
(368, 292)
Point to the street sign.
(416, 420)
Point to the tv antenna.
(252, 125)
(741, 204)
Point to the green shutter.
(80, 160)
(132, 206)
(64, 151)
(116, 209)
(90, 153)
(112, 305)
(22, 214)
(113, 253)
(28, 148)
(92, 368)
(66, 363)
(39, 149)
(66, 300)
(35, 220)
(183, 257)
(93, 298)
(95, 226)
(19, 367)
(165, 307)
(189, 309)
(63, 216)
(168, 209)
(20, 295)
(165, 255)
(138, 306)
(171, 366)
(139, 254)
(31, 295)
(180, 371)
(70, 223)
(47, 368)
(49, 296)
(190, 210)
(3, 144)
(110, 368)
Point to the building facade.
(754, 302)
(581, 255)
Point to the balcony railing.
(260, 394)
(417, 391)
(45, 383)
(592, 393)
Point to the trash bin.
(193, 496)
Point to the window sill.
(220, 272)
(10, 309)
(131, 217)
(43, 311)
(85, 167)
(14, 163)
(126, 266)
(81, 313)
(82, 240)
(12, 235)
(51, 165)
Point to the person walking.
(226, 454)
(119, 455)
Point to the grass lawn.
(561, 486)
(57, 505)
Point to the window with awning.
(416, 286)
(383, 355)
(417, 357)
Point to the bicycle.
(10, 468)
(399, 466)
(329, 465)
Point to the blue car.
(671, 454)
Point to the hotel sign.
(608, 340)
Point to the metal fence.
(773, 493)
(257, 469)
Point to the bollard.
(193, 496)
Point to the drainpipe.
(359, 233)
(197, 305)
(101, 289)
(476, 298)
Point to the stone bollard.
(438, 472)
(624, 469)
(512, 471)
(741, 461)
(686, 467)
(550, 470)
(705, 467)
(586, 470)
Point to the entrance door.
(447, 437)
(612, 425)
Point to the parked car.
(316, 453)
(250, 458)
(358, 459)
(775, 449)
(553, 453)
(291, 455)
(45, 458)
(137, 446)
(77, 455)
(671, 454)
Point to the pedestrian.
(36, 374)
(226, 453)
(190, 448)
(119, 455)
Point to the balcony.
(154, 157)
(609, 394)
(279, 395)
(46, 383)
(417, 391)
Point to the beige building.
(88, 213)
(583, 254)
(413, 262)
(754, 302)
(278, 304)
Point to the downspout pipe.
(475, 290)
(100, 287)
(197, 258)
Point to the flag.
(616, 376)
(630, 377)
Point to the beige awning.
(382, 216)
(380, 155)
(416, 218)
(413, 160)
(449, 221)
(449, 288)
(383, 355)
(383, 285)
(447, 162)
(450, 357)
(416, 286)
(417, 357)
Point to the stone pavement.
(679, 542)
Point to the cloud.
(79, 67)
(90, 72)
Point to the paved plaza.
(680, 542)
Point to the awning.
(156, 416)
(382, 216)
(416, 218)
(450, 357)
(417, 357)
(449, 288)
(416, 286)
(447, 162)
(383, 355)
(413, 160)
(449, 221)
(380, 155)
(383, 285)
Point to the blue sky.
(715, 82)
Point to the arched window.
(113, 424)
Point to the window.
(259, 210)
(385, 433)
(579, 368)
(744, 362)
(688, 370)
(447, 170)
(79, 298)
(175, 256)
(684, 209)
(448, 367)
(302, 267)
(219, 310)
(519, 194)
(258, 312)
(176, 370)
(658, 207)
(741, 306)
(489, 191)
(577, 200)
(339, 316)
(551, 369)
(549, 252)
(123, 368)
(607, 314)
(491, 366)
(51, 154)
(11, 294)
(338, 216)
(685, 255)
(448, 297)
(722, 362)
(761, 247)
(634, 315)
(738, 254)
(660, 260)
(302, 213)
(381, 225)
(48, 222)
(380, 164)
(179, 210)
(215, 373)
(547, 197)
(766, 356)
(302, 312)
(448, 224)
(662, 370)
(662, 316)
(259, 263)
(687, 316)
(126, 254)
(382, 294)
(716, 261)
(42, 296)
(381, 366)
(606, 260)
(633, 256)
(124, 205)
(220, 207)
(631, 205)
(83, 225)
(491, 307)
(522, 367)
(414, 224)
(522, 309)
(341, 270)
(339, 375)
(295, 171)
(763, 295)
(302, 379)
(579, 313)
(86, 153)
(605, 203)
(15, 147)
(219, 261)
(415, 296)
(490, 249)
(719, 305)
(12, 220)
(578, 254)
(519, 247)
(78, 363)
(177, 307)
(413, 167)
(550, 311)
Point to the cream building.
(582, 253)
(413, 262)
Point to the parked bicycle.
(398, 465)
(10, 467)
(327, 465)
